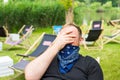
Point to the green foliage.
(76, 4)
(17, 13)
(108, 4)
(41, 13)
(95, 5)
(67, 3)
(118, 2)
(87, 2)
(82, 4)
(96, 11)
(114, 2)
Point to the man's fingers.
(71, 36)
(66, 32)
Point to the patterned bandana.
(67, 57)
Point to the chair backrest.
(96, 25)
(93, 35)
(26, 35)
(3, 32)
(25, 29)
(57, 28)
(44, 44)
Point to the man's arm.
(36, 68)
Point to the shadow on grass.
(18, 77)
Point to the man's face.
(73, 31)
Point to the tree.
(68, 4)
(118, 2)
(87, 2)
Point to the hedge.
(47, 13)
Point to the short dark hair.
(77, 27)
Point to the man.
(62, 61)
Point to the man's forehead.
(69, 27)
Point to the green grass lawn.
(109, 56)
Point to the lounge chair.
(115, 32)
(3, 31)
(112, 38)
(24, 29)
(93, 40)
(18, 42)
(115, 23)
(95, 25)
(56, 29)
(93, 36)
(44, 44)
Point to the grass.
(109, 56)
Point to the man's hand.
(63, 38)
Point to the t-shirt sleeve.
(94, 69)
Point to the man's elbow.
(29, 74)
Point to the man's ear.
(81, 40)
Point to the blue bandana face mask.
(67, 58)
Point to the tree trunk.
(70, 15)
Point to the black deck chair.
(95, 25)
(44, 44)
(94, 36)
(3, 31)
(46, 41)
